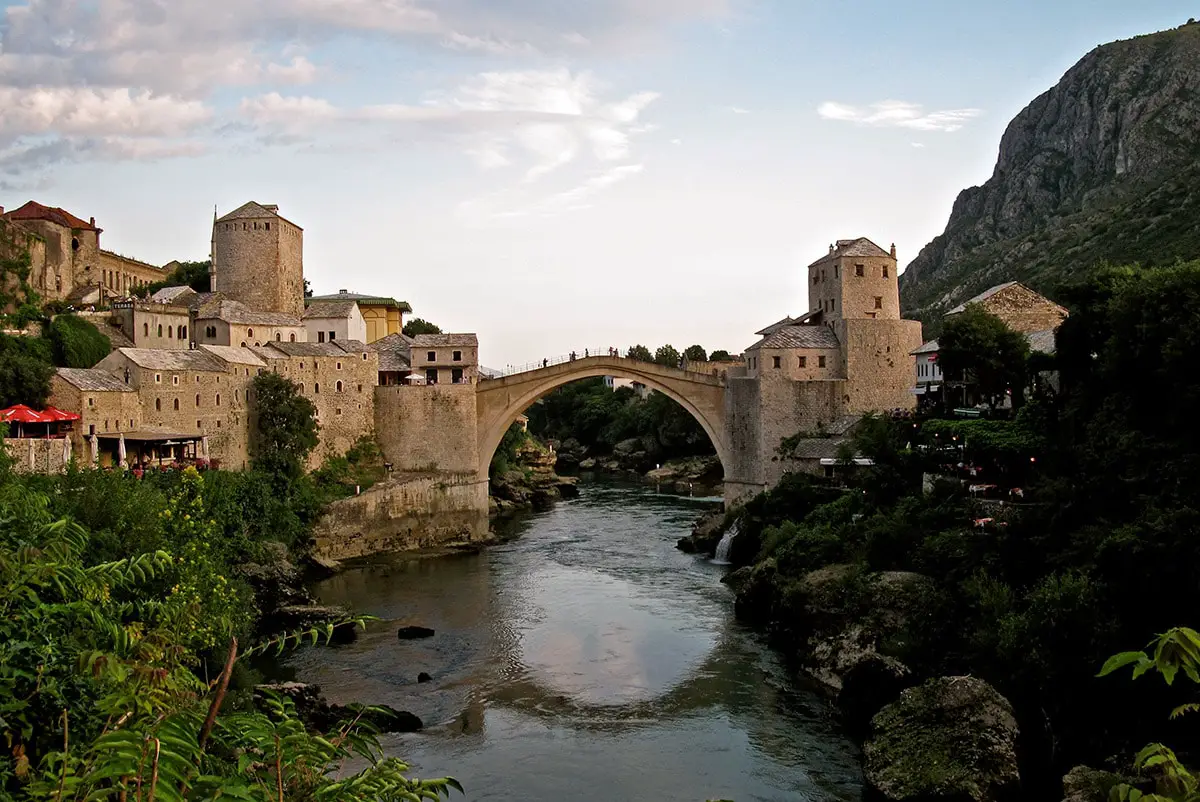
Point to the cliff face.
(1105, 166)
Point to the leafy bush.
(76, 343)
(25, 371)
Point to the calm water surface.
(587, 660)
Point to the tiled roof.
(133, 261)
(981, 297)
(364, 300)
(799, 337)
(36, 211)
(234, 355)
(930, 347)
(351, 346)
(307, 349)
(1042, 341)
(330, 309)
(162, 359)
(818, 447)
(204, 302)
(173, 294)
(443, 340)
(776, 326)
(253, 211)
(394, 353)
(853, 247)
(236, 312)
(94, 380)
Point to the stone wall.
(122, 275)
(31, 455)
(154, 325)
(428, 428)
(1025, 310)
(101, 410)
(402, 514)
(259, 262)
(879, 367)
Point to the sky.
(553, 175)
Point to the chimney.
(92, 222)
(831, 247)
(271, 207)
(1, 210)
(893, 250)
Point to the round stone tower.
(258, 259)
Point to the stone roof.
(233, 355)
(163, 359)
(363, 300)
(1042, 341)
(131, 260)
(340, 309)
(776, 326)
(237, 312)
(253, 211)
(853, 247)
(203, 302)
(36, 211)
(799, 337)
(394, 352)
(981, 297)
(94, 380)
(818, 447)
(84, 293)
(351, 346)
(306, 349)
(168, 295)
(444, 340)
(930, 347)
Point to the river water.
(589, 660)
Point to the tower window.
(268, 226)
(218, 399)
(879, 302)
(158, 405)
(803, 361)
(885, 271)
(197, 399)
(176, 404)
(820, 361)
(339, 387)
(776, 361)
(316, 387)
(859, 271)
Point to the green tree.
(285, 426)
(695, 353)
(187, 274)
(667, 355)
(640, 352)
(76, 343)
(25, 371)
(979, 349)
(418, 326)
(720, 356)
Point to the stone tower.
(258, 259)
(855, 281)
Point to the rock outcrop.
(951, 738)
(1102, 167)
(706, 534)
(531, 481)
(319, 715)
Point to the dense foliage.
(75, 342)
(186, 274)
(979, 350)
(418, 326)
(1106, 549)
(119, 672)
(285, 426)
(600, 417)
(25, 371)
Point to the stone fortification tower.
(258, 259)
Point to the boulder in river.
(1085, 784)
(424, 677)
(414, 632)
(318, 714)
(951, 738)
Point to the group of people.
(573, 356)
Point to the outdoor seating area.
(26, 422)
(150, 450)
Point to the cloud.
(917, 144)
(737, 110)
(898, 114)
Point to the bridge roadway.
(500, 400)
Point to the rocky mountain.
(1104, 167)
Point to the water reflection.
(588, 657)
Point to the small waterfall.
(721, 557)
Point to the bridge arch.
(500, 401)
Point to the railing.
(510, 370)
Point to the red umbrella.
(55, 415)
(22, 414)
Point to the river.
(587, 659)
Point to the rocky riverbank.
(639, 458)
(529, 481)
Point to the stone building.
(446, 358)
(153, 325)
(225, 322)
(1022, 310)
(395, 359)
(339, 378)
(66, 256)
(104, 400)
(258, 259)
(196, 393)
(382, 316)
(327, 321)
(848, 355)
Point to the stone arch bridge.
(499, 401)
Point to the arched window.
(158, 405)
(176, 404)
(159, 329)
(183, 332)
(145, 329)
(293, 337)
(243, 343)
(170, 332)
(218, 399)
(316, 387)
(278, 336)
(339, 387)
(249, 332)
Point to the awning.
(151, 437)
(857, 461)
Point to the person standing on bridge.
(545, 362)
(585, 353)
(572, 356)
